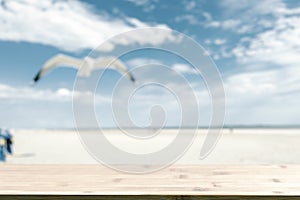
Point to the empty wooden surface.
(183, 180)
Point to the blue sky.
(255, 45)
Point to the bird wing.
(115, 62)
(56, 61)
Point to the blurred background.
(255, 45)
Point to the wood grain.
(175, 182)
(144, 197)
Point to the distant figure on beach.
(85, 66)
(5, 144)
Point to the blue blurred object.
(2, 155)
(5, 144)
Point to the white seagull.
(84, 66)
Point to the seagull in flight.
(85, 66)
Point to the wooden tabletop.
(190, 180)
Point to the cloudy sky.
(255, 45)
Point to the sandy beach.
(238, 146)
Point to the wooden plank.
(178, 181)
(146, 197)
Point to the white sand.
(242, 146)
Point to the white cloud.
(262, 97)
(225, 24)
(146, 5)
(279, 45)
(252, 83)
(27, 93)
(252, 8)
(235, 25)
(231, 23)
(219, 41)
(139, 2)
(207, 16)
(26, 107)
(216, 57)
(270, 83)
(184, 68)
(285, 11)
(214, 24)
(68, 25)
(266, 89)
(63, 92)
(190, 5)
(11, 93)
(191, 19)
(274, 32)
(242, 16)
(222, 49)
